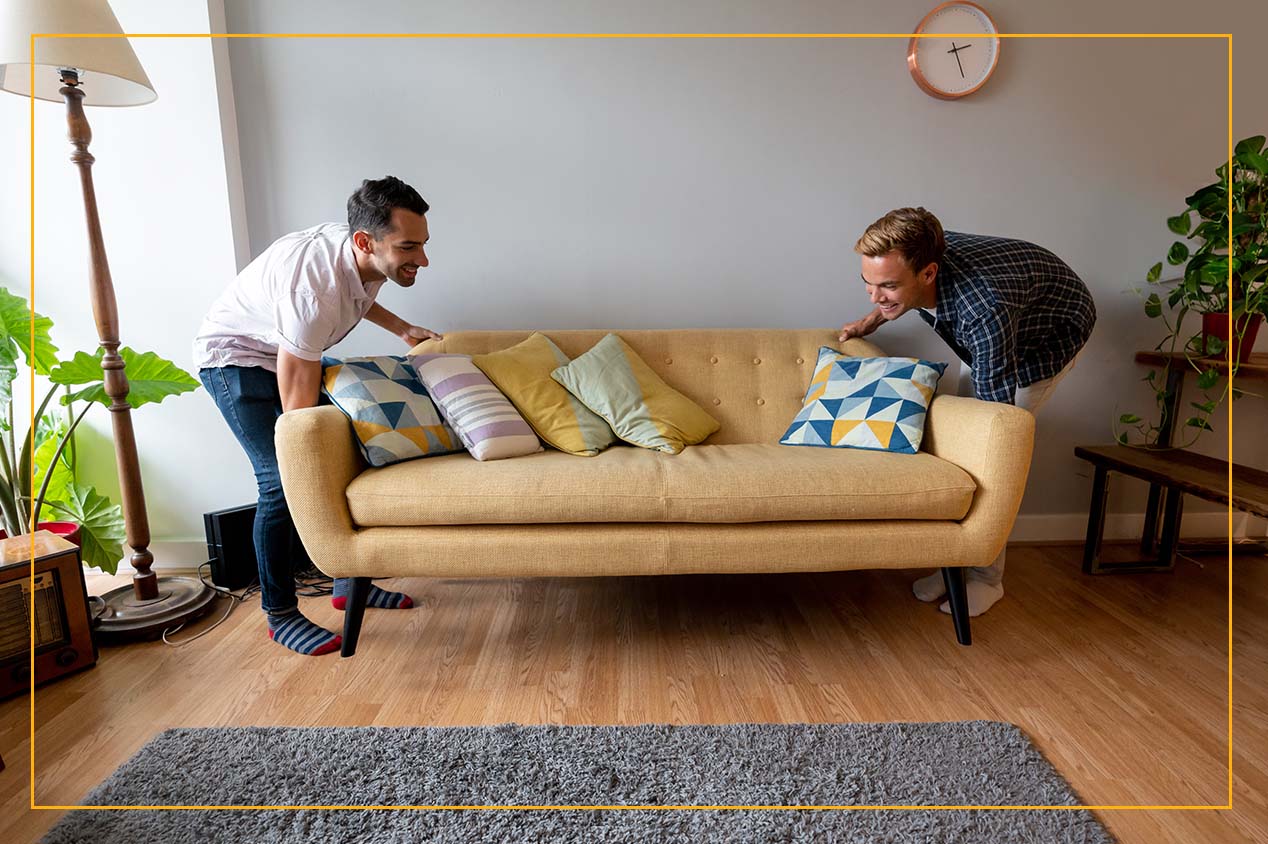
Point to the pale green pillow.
(614, 382)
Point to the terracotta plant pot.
(67, 530)
(1246, 326)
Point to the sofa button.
(717, 401)
(713, 360)
(761, 401)
(801, 360)
(669, 360)
(756, 361)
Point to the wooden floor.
(1121, 681)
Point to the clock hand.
(955, 51)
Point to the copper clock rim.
(918, 76)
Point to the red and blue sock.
(296, 632)
(379, 598)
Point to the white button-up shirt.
(302, 294)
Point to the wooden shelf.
(1256, 367)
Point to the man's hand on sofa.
(416, 334)
(861, 327)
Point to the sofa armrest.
(992, 442)
(318, 459)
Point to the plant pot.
(66, 530)
(1245, 327)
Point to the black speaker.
(231, 547)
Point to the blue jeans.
(249, 400)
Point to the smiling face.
(894, 287)
(398, 254)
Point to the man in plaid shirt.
(1012, 311)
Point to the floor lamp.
(99, 72)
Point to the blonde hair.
(913, 232)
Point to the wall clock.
(944, 63)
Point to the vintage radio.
(55, 606)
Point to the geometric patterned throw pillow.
(870, 403)
(391, 414)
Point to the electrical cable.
(234, 600)
(309, 583)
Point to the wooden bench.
(1177, 472)
(1170, 471)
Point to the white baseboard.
(173, 555)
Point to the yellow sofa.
(739, 502)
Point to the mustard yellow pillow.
(613, 381)
(522, 373)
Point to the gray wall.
(676, 183)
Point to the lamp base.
(180, 599)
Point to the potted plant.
(37, 477)
(1225, 280)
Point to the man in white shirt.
(259, 351)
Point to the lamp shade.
(109, 72)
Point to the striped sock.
(379, 598)
(301, 635)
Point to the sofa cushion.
(707, 483)
(613, 381)
(870, 403)
(522, 373)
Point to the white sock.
(931, 588)
(982, 596)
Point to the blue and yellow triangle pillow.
(871, 403)
(391, 414)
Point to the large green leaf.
(1179, 223)
(15, 327)
(1177, 254)
(101, 528)
(1255, 143)
(1211, 194)
(8, 371)
(1212, 231)
(150, 377)
(59, 486)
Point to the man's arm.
(862, 327)
(298, 380)
(993, 346)
(411, 334)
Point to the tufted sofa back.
(750, 380)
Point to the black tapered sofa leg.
(353, 612)
(958, 597)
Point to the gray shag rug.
(959, 763)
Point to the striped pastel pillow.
(487, 423)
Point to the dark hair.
(914, 232)
(370, 206)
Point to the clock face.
(944, 62)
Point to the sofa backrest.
(751, 380)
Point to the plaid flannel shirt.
(1012, 310)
